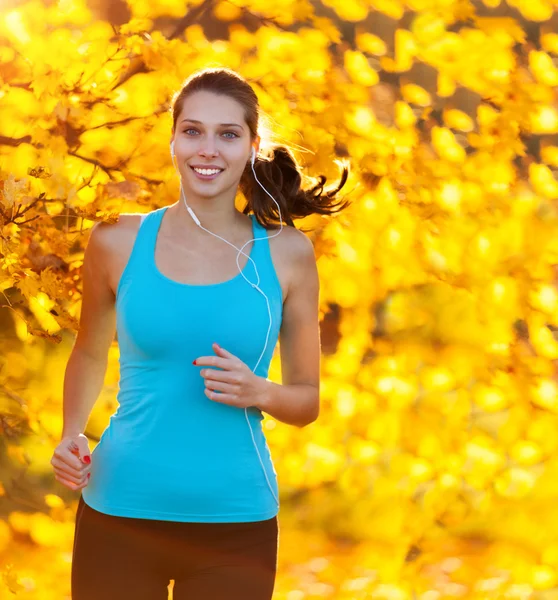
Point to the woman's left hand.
(237, 384)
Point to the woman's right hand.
(71, 462)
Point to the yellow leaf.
(428, 28)
(445, 85)
(227, 11)
(359, 69)
(361, 120)
(490, 399)
(543, 68)
(504, 30)
(54, 501)
(544, 120)
(457, 119)
(446, 145)
(328, 27)
(136, 26)
(404, 116)
(450, 195)
(526, 452)
(10, 579)
(549, 155)
(29, 284)
(543, 577)
(543, 181)
(5, 536)
(51, 282)
(300, 10)
(17, 26)
(13, 190)
(372, 44)
(549, 42)
(46, 532)
(544, 297)
(349, 10)
(414, 94)
(392, 8)
(241, 37)
(405, 50)
(534, 10)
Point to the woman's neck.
(223, 220)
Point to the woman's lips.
(206, 174)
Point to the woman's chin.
(209, 189)
(195, 193)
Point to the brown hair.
(278, 172)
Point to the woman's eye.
(229, 134)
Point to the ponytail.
(280, 175)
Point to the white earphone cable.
(254, 285)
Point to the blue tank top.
(169, 452)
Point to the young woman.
(182, 485)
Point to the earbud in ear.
(253, 159)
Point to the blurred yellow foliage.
(432, 472)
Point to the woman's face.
(212, 144)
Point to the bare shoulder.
(109, 233)
(114, 242)
(293, 243)
(293, 255)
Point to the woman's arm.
(296, 400)
(86, 368)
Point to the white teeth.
(207, 171)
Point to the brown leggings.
(122, 557)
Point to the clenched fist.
(72, 462)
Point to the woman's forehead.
(212, 109)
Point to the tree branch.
(139, 66)
(9, 141)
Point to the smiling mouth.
(206, 172)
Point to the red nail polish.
(86, 459)
(194, 362)
(88, 475)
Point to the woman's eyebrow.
(221, 124)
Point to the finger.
(67, 480)
(64, 471)
(220, 386)
(78, 446)
(84, 452)
(72, 485)
(220, 397)
(74, 449)
(222, 352)
(69, 465)
(65, 456)
(212, 361)
(231, 377)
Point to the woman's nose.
(208, 150)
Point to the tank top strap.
(258, 234)
(144, 244)
(266, 266)
(262, 241)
